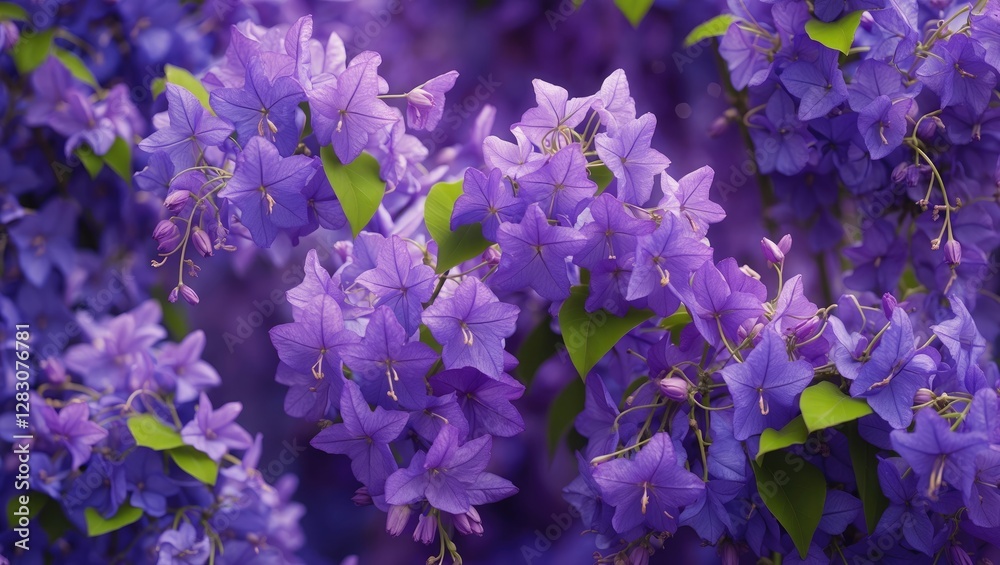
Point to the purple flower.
(667, 256)
(472, 325)
(449, 476)
(487, 200)
(215, 432)
(182, 547)
(262, 107)
(688, 199)
(883, 125)
(147, 483)
(350, 112)
(72, 430)
(819, 85)
(957, 72)
(400, 284)
(485, 401)
(268, 190)
(534, 255)
(878, 261)
(559, 185)
(715, 307)
(939, 455)
(44, 240)
(546, 125)
(192, 129)
(610, 231)
(627, 153)
(513, 160)
(312, 343)
(425, 103)
(364, 436)
(614, 103)
(964, 342)
(766, 387)
(181, 366)
(390, 370)
(782, 142)
(649, 489)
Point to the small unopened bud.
(639, 556)
(175, 201)
(202, 242)
(184, 291)
(397, 518)
(343, 249)
(469, 523)
(9, 35)
(959, 556)
(426, 529)
(924, 396)
(929, 127)
(889, 303)
(772, 251)
(420, 98)
(674, 388)
(953, 252)
(167, 236)
(491, 256)
(719, 126)
(362, 497)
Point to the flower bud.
(420, 98)
(397, 518)
(426, 529)
(867, 21)
(343, 250)
(639, 556)
(469, 523)
(491, 256)
(889, 303)
(924, 396)
(771, 251)
(362, 497)
(953, 252)
(674, 388)
(175, 201)
(184, 291)
(719, 126)
(958, 556)
(728, 554)
(929, 127)
(9, 35)
(202, 242)
(167, 236)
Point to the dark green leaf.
(864, 460)
(714, 27)
(795, 492)
(75, 66)
(182, 77)
(589, 336)
(31, 50)
(150, 432)
(601, 175)
(634, 10)
(823, 405)
(11, 11)
(795, 433)
(197, 464)
(457, 246)
(563, 411)
(98, 525)
(357, 185)
(428, 338)
(837, 35)
(541, 344)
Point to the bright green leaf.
(11, 11)
(541, 344)
(98, 525)
(823, 405)
(91, 161)
(794, 433)
(634, 10)
(795, 492)
(119, 159)
(182, 77)
(158, 85)
(457, 246)
(31, 50)
(588, 336)
(356, 184)
(563, 411)
(837, 35)
(601, 175)
(864, 460)
(196, 463)
(150, 432)
(75, 66)
(677, 320)
(714, 27)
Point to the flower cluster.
(900, 121)
(236, 155)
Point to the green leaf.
(563, 411)
(541, 344)
(457, 246)
(634, 10)
(837, 35)
(864, 460)
(36, 501)
(823, 405)
(794, 433)
(119, 159)
(795, 492)
(588, 336)
(428, 339)
(98, 525)
(158, 85)
(195, 463)
(75, 66)
(11, 11)
(677, 320)
(150, 432)
(91, 161)
(356, 184)
(181, 77)
(31, 50)
(714, 27)
(601, 175)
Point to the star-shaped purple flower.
(215, 432)
(312, 343)
(819, 85)
(668, 255)
(688, 199)
(937, 454)
(963, 341)
(561, 184)
(610, 231)
(72, 430)
(192, 129)
(487, 200)
(485, 401)
(513, 159)
(425, 103)
(472, 325)
(400, 284)
(545, 125)
(630, 157)
(534, 255)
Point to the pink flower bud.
(362, 497)
(491, 256)
(9, 35)
(425, 530)
(953, 252)
(420, 98)
(771, 251)
(167, 236)
(959, 556)
(202, 242)
(469, 523)
(397, 518)
(924, 396)
(639, 556)
(175, 201)
(674, 388)
(184, 291)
